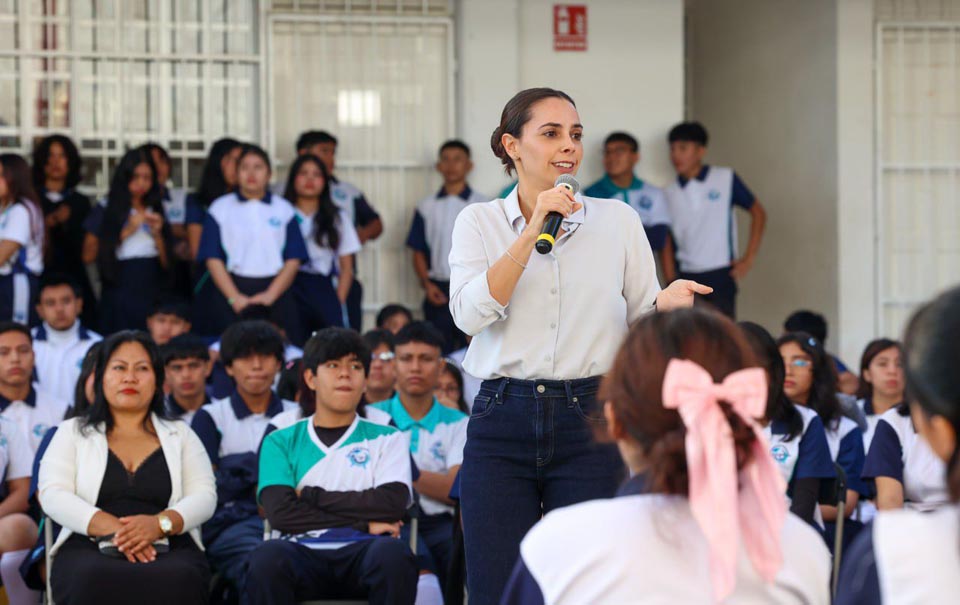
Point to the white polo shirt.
(227, 426)
(323, 259)
(432, 230)
(175, 205)
(254, 238)
(701, 215)
(16, 456)
(35, 415)
(59, 355)
(21, 224)
(139, 245)
(571, 308)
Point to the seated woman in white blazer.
(130, 489)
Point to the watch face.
(166, 524)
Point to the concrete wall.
(630, 78)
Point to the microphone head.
(567, 180)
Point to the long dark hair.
(707, 338)
(932, 346)
(779, 406)
(874, 348)
(117, 212)
(212, 184)
(16, 172)
(457, 376)
(823, 390)
(87, 367)
(41, 153)
(99, 411)
(516, 113)
(327, 219)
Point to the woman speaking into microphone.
(546, 327)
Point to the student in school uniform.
(382, 379)
(798, 442)
(21, 241)
(621, 153)
(231, 430)
(61, 341)
(393, 317)
(881, 383)
(348, 197)
(431, 236)
(18, 531)
(174, 201)
(437, 436)
(702, 519)
(323, 282)
(56, 175)
(127, 237)
(252, 245)
(811, 382)
(910, 556)
(187, 365)
(815, 325)
(334, 487)
(703, 229)
(169, 318)
(219, 177)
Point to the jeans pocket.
(483, 405)
(588, 408)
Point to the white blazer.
(73, 466)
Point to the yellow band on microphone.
(547, 237)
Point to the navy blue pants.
(440, 317)
(7, 300)
(381, 569)
(434, 543)
(355, 306)
(317, 304)
(531, 448)
(229, 552)
(724, 295)
(128, 300)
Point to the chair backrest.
(47, 547)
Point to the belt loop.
(503, 385)
(568, 387)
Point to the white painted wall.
(630, 78)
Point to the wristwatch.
(166, 525)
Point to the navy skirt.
(17, 293)
(317, 305)
(127, 301)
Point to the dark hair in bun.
(515, 114)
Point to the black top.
(66, 239)
(330, 436)
(146, 491)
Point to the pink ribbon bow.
(727, 506)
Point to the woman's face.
(254, 175)
(886, 374)
(141, 182)
(309, 181)
(799, 367)
(57, 166)
(228, 166)
(549, 145)
(129, 380)
(447, 391)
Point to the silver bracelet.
(510, 256)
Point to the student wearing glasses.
(381, 383)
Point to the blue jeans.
(530, 449)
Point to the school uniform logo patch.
(274, 222)
(646, 202)
(437, 451)
(780, 453)
(39, 430)
(714, 195)
(359, 456)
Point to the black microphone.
(551, 226)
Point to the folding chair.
(840, 495)
(47, 546)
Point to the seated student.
(21, 240)
(334, 488)
(127, 238)
(431, 236)
(252, 245)
(704, 496)
(798, 442)
(186, 362)
(57, 171)
(449, 389)
(218, 178)
(909, 556)
(138, 484)
(382, 381)
(703, 234)
(811, 382)
(881, 382)
(621, 152)
(393, 317)
(348, 197)
(61, 341)
(169, 318)
(324, 281)
(32, 409)
(18, 531)
(437, 437)
(815, 325)
(231, 430)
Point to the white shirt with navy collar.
(228, 427)
(348, 197)
(178, 412)
(20, 223)
(571, 308)
(432, 230)
(254, 238)
(35, 414)
(59, 355)
(16, 455)
(701, 216)
(323, 259)
(141, 244)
